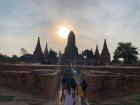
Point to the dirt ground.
(11, 97)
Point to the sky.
(23, 21)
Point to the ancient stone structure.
(105, 55)
(111, 82)
(38, 54)
(71, 55)
(48, 57)
(97, 56)
(40, 81)
(71, 51)
(43, 80)
(46, 54)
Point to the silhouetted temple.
(71, 51)
(71, 55)
(46, 54)
(105, 55)
(97, 56)
(38, 54)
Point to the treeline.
(7, 59)
(124, 54)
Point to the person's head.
(68, 86)
(84, 80)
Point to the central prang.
(71, 51)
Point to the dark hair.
(68, 87)
(84, 84)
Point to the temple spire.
(71, 39)
(105, 48)
(105, 55)
(46, 50)
(97, 54)
(38, 54)
(71, 51)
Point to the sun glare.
(63, 32)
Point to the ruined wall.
(40, 81)
(111, 83)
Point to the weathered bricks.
(37, 82)
(105, 85)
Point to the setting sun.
(63, 32)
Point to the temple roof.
(46, 50)
(71, 39)
(105, 48)
(97, 54)
(38, 49)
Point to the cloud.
(92, 21)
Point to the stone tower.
(97, 55)
(38, 54)
(105, 55)
(71, 51)
(46, 51)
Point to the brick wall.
(33, 80)
(109, 84)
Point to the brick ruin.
(70, 55)
(40, 81)
(44, 81)
(111, 82)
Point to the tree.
(88, 54)
(26, 58)
(127, 52)
(4, 58)
(23, 51)
(14, 59)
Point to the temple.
(38, 54)
(97, 56)
(71, 55)
(46, 54)
(105, 55)
(71, 51)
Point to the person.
(84, 86)
(73, 83)
(80, 93)
(68, 95)
(68, 76)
